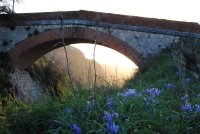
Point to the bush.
(50, 76)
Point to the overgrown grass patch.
(152, 102)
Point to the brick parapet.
(108, 18)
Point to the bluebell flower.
(76, 129)
(170, 86)
(131, 92)
(114, 115)
(110, 125)
(114, 129)
(188, 80)
(185, 97)
(170, 119)
(198, 126)
(123, 117)
(198, 95)
(96, 104)
(50, 127)
(187, 107)
(108, 117)
(144, 91)
(68, 110)
(176, 72)
(197, 107)
(150, 100)
(110, 103)
(150, 111)
(139, 95)
(91, 106)
(88, 108)
(154, 91)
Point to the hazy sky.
(184, 10)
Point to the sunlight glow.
(104, 55)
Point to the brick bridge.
(27, 37)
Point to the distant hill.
(81, 69)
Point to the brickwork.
(29, 50)
(28, 89)
(137, 38)
(109, 18)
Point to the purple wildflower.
(170, 86)
(170, 119)
(50, 127)
(88, 108)
(176, 73)
(110, 125)
(144, 91)
(76, 129)
(96, 104)
(114, 115)
(123, 117)
(114, 129)
(139, 95)
(198, 95)
(198, 126)
(91, 106)
(188, 80)
(68, 110)
(150, 111)
(110, 103)
(187, 107)
(185, 97)
(131, 92)
(197, 108)
(151, 100)
(154, 91)
(107, 117)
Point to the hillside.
(81, 69)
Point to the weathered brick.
(110, 18)
(30, 49)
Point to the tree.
(5, 6)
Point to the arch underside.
(26, 52)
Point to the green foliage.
(139, 111)
(5, 7)
(5, 69)
(157, 74)
(50, 76)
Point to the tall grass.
(148, 103)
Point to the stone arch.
(29, 50)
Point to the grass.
(149, 103)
